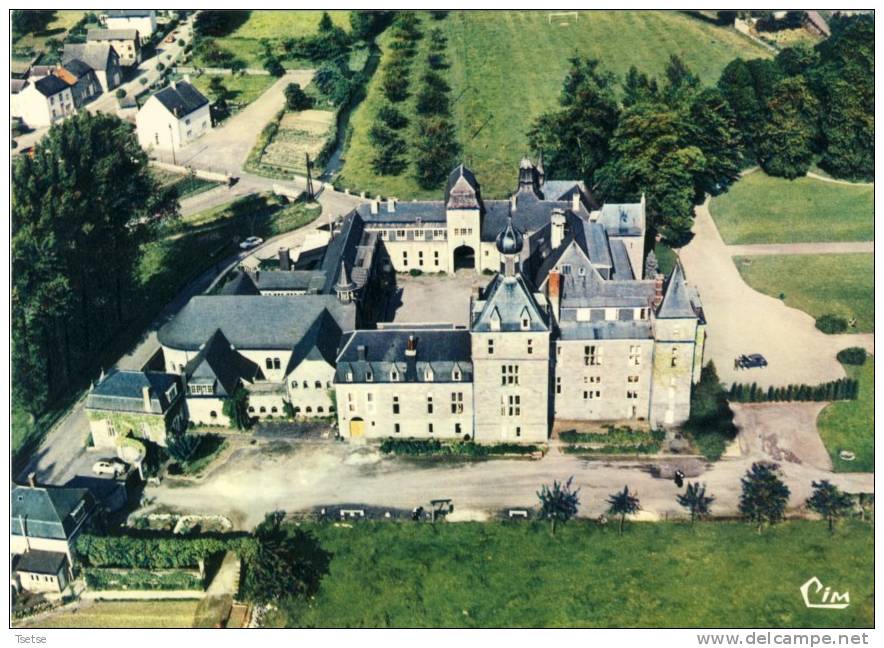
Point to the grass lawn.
(666, 258)
(842, 284)
(762, 209)
(507, 67)
(123, 614)
(850, 425)
(655, 575)
(210, 447)
(187, 185)
(243, 89)
(63, 20)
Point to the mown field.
(720, 574)
(122, 614)
(243, 89)
(61, 22)
(850, 425)
(507, 67)
(762, 209)
(841, 284)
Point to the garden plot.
(299, 134)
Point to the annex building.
(573, 324)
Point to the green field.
(63, 20)
(841, 284)
(122, 614)
(507, 67)
(850, 425)
(656, 575)
(243, 89)
(245, 41)
(762, 209)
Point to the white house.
(144, 20)
(42, 102)
(173, 117)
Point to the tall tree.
(712, 127)
(436, 151)
(575, 139)
(788, 139)
(558, 503)
(236, 408)
(695, 500)
(830, 502)
(621, 504)
(764, 495)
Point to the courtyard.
(434, 298)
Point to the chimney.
(554, 291)
(594, 215)
(658, 290)
(32, 479)
(411, 346)
(145, 397)
(375, 205)
(575, 202)
(558, 228)
(360, 352)
(285, 261)
(391, 205)
(513, 202)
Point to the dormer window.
(455, 374)
(565, 269)
(495, 320)
(172, 392)
(394, 376)
(428, 374)
(349, 376)
(369, 376)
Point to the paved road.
(264, 477)
(742, 320)
(849, 247)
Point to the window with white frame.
(457, 402)
(369, 402)
(510, 405)
(351, 402)
(592, 355)
(530, 346)
(635, 355)
(509, 374)
(429, 403)
(395, 404)
(673, 362)
(631, 394)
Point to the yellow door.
(357, 428)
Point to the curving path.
(761, 249)
(742, 320)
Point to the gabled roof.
(319, 343)
(50, 85)
(181, 98)
(219, 361)
(240, 284)
(122, 391)
(36, 561)
(462, 189)
(77, 68)
(48, 511)
(504, 301)
(676, 298)
(96, 55)
(111, 34)
(252, 321)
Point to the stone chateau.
(573, 324)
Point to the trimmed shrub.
(829, 323)
(465, 448)
(852, 356)
(841, 389)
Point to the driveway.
(742, 320)
(847, 247)
(225, 149)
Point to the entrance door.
(357, 428)
(464, 258)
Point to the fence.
(218, 71)
(203, 174)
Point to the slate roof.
(219, 364)
(121, 391)
(95, 55)
(41, 70)
(441, 350)
(310, 281)
(181, 98)
(36, 561)
(252, 321)
(506, 299)
(77, 68)
(319, 343)
(590, 290)
(352, 245)
(622, 219)
(17, 85)
(406, 213)
(462, 190)
(50, 85)
(617, 330)
(622, 270)
(129, 13)
(48, 511)
(530, 215)
(111, 34)
(240, 284)
(676, 298)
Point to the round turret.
(509, 241)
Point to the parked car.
(111, 467)
(752, 361)
(251, 242)
(169, 39)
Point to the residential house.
(173, 117)
(142, 20)
(82, 79)
(48, 518)
(147, 405)
(101, 57)
(43, 572)
(42, 102)
(126, 43)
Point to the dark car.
(752, 361)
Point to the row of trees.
(763, 500)
(82, 205)
(841, 389)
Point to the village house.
(146, 405)
(44, 572)
(173, 117)
(101, 57)
(144, 21)
(126, 43)
(42, 102)
(48, 518)
(82, 79)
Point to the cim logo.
(829, 600)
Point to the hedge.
(841, 389)
(829, 323)
(128, 551)
(434, 447)
(615, 435)
(651, 447)
(141, 579)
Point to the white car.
(112, 467)
(251, 242)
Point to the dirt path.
(742, 320)
(850, 247)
